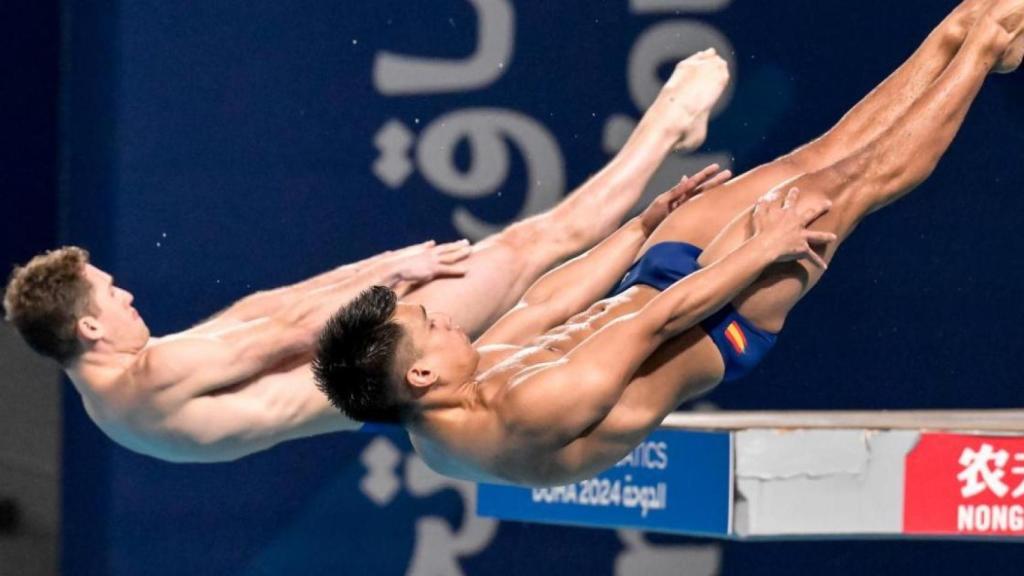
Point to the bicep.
(198, 365)
(219, 429)
(278, 407)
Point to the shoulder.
(168, 360)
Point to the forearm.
(270, 302)
(689, 301)
(589, 277)
(313, 309)
(561, 401)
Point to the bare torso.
(477, 443)
(175, 423)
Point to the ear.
(421, 377)
(90, 329)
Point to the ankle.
(989, 38)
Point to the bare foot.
(684, 103)
(1009, 14)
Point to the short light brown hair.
(46, 297)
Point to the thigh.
(499, 271)
(701, 219)
(767, 301)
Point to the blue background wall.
(214, 148)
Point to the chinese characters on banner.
(965, 485)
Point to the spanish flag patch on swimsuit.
(734, 334)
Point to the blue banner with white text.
(674, 481)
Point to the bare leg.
(894, 164)
(705, 217)
(503, 266)
(901, 158)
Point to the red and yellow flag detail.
(734, 334)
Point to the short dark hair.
(356, 364)
(45, 298)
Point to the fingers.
(702, 176)
(814, 210)
(763, 203)
(450, 271)
(409, 250)
(719, 179)
(689, 186)
(791, 197)
(455, 255)
(810, 210)
(815, 238)
(689, 183)
(461, 247)
(816, 259)
(453, 245)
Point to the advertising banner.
(674, 481)
(965, 485)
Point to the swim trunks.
(741, 344)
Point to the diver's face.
(111, 316)
(442, 348)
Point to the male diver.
(240, 382)
(572, 378)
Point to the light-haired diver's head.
(380, 359)
(63, 307)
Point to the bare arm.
(556, 403)
(319, 297)
(580, 282)
(189, 365)
(275, 408)
(390, 268)
(402, 274)
(232, 393)
(197, 362)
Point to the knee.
(545, 238)
(518, 248)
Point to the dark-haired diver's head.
(379, 359)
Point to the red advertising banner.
(970, 485)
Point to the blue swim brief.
(741, 344)
(378, 428)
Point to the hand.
(784, 227)
(399, 253)
(425, 262)
(663, 205)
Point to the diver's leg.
(899, 160)
(503, 266)
(702, 218)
